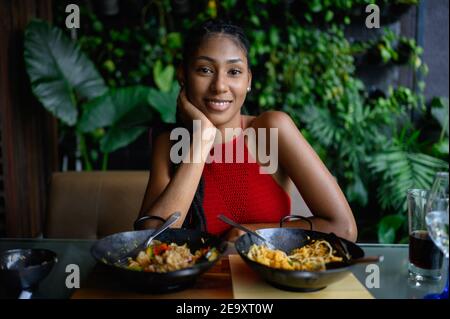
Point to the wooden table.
(214, 284)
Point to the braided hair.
(195, 218)
(211, 28)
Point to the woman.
(215, 78)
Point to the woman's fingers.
(189, 112)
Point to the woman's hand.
(189, 112)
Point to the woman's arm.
(315, 183)
(166, 194)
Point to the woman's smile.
(218, 105)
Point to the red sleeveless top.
(240, 192)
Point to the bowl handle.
(289, 217)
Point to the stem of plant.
(105, 161)
(84, 152)
(442, 135)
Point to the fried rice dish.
(162, 257)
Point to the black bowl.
(24, 269)
(287, 239)
(107, 250)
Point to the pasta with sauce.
(311, 257)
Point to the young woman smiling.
(215, 78)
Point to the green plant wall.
(377, 146)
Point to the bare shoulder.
(271, 119)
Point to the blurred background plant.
(376, 143)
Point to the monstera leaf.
(60, 73)
(125, 113)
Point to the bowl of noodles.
(173, 261)
(304, 260)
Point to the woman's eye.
(204, 70)
(235, 72)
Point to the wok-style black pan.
(107, 250)
(287, 239)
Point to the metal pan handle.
(138, 223)
(289, 217)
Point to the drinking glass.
(425, 258)
(437, 221)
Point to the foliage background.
(377, 144)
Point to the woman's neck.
(228, 130)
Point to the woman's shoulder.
(268, 119)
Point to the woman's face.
(217, 78)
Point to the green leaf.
(60, 73)
(274, 37)
(123, 106)
(388, 227)
(316, 6)
(163, 76)
(174, 40)
(439, 110)
(165, 103)
(441, 148)
(398, 170)
(308, 17)
(120, 137)
(255, 20)
(329, 16)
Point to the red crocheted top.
(240, 192)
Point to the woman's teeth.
(218, 105)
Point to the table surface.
(216, 283)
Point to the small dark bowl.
(107, 251)
(23, 269)
(287, 239)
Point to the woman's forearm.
(179, 193)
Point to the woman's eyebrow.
(230, 61)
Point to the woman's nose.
(219, 84)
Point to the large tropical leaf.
(322, 125)
(120, 137)
(165, 103)
(124, 111)
(60, 73)
(122, 107)
(398, 171)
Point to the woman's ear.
(180, 76)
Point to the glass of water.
(437, 221)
